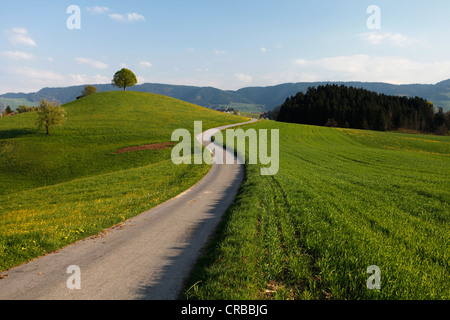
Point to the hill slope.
(71, 184)
(96, 126)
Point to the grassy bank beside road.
(343, 200)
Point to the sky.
(225, 44)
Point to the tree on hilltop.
(88, 90)
(124, 78)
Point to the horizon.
(184, 85)
(225, 45)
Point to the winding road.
(147, 257)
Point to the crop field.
(343, 200)
(71, 184)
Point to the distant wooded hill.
(253, 99)
(349, 107)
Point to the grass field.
(343, 200)
(63, 187)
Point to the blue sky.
(226, 44)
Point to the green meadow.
(59, 188)
(343, 200)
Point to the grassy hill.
(59, 188)
(343, 200)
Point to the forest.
(349, 107)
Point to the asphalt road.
(145, 258)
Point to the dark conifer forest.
(349, 107)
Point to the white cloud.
(220, 52)
(392, 69)
(135, 17)
(101, 79)
(92, 63)
(395, 39)
(26, 79)
(19, 36)
(77, 79)
(36, 75)
(17, 55)
(127, 17)
(243, 77)
(145, 64)
(263, 50)
(97, 9)
(116, 16)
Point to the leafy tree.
(8, 110)
(124, 78)
(88, 90)
(440, 122)
(49, 114)
(24, 108)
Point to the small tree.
(22, 109)
(49, 115)
(8, 110)
(88, 90)
(124, 78)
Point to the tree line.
(349, 107)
